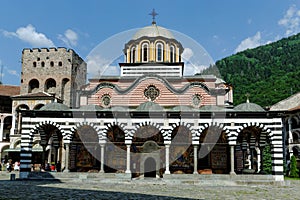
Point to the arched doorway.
(85, 150)
(181, 151)
(150, 167)
(213, 153)
(253, 151)
(115, 150)
(147, 142)
(51, 141)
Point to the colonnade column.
(232, 160)
(102, 159)
(195, 159)
(1, 129)
(167, 159)
(67, 152)
(128, 171)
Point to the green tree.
(294, 173)
(267, 159)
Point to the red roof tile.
(9, 90)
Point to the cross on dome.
(153, 13)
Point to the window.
(51, 63)
(33, 84)
(60, 63)
(172, 53)
(43, 64)
(34, 64)
(145, 52)
(159, 52)
(132, 58)
(50, 85)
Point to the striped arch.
(148, 123)
(39, 127)
(186, 125)
(215, 124)
(256, 124)
(110, 125)
(78, 125)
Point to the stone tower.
(56, 71)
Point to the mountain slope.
(267, 73)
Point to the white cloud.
(187, 54)
(30, 35)
(70, 38)
(250, 42)
(291, 21)
(98, 66)
(13, 72)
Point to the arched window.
(132, 55)
(172, 54)
(159, 52)
(50, 85)
(145, 52)
(33, 84)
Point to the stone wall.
(58, 71)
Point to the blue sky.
(221, 27)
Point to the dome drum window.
(159, 52)
(145, 52)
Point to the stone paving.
(141, 189)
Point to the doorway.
(150, 167)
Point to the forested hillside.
(267, 73)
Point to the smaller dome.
(90, 107)
(55, 107)
(183, 108)
(210, 108)
(149, 106)
(153, 31)
(249, 107)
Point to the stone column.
(195, 159)
(258, 158)
(67, 152)
(128, 171)
(167, 159)
(232, 160)
(1, 129)
(102, 158)
(290, 131)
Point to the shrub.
(294, 173)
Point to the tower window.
(34, 64)
(33, 84)
(60, 63)
(51, 63)
(43, 64)
(145, 52)
(159, 52)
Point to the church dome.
(249, 107)
(153, 31)
(149, 106)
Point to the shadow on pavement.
(52, 189)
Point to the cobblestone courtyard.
(142, 190)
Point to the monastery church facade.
(150, 121)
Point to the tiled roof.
(9, 90)
(295, 108)
(38, 94)
(287, 104)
